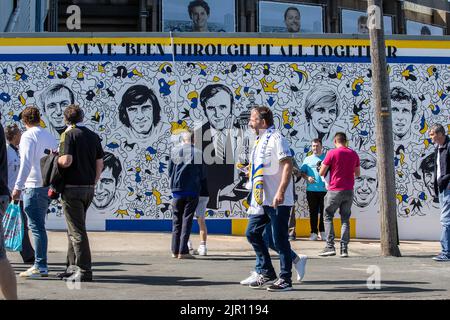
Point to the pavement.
(139, 266)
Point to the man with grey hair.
(187, 179)
(442, 185)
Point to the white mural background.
(141, 188)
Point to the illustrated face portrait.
(218, 110)
(292, 21)
(401, 117)
(55, 106)
(323, 116)
(365, 188)
(199, 17)
(105, 189)
(141, 117)
(428, 181)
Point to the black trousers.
(316, 206)
(183, 210)
(75, 203)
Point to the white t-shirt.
(277, 149)
(33, 143)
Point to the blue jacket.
(443, 182)
(186, 169)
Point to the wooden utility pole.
(385, 141)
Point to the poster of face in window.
(422, 29)
(356, 22)
(290, 17)
(198, 15)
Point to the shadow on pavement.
(159, 281)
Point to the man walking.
(315, 189)
(187, 178)
(81, 160)
(8, 283)
(343, 164)
(33, 145)
(271, 200)
(442, 185)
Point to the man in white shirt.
(34, 143)
(13, 135)
(271, 200)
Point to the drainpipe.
(143, 15)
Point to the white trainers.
(202, 250)
(322, 236)
(300, 266)
(313, 237)
(34, 272)
(250, 279)
(191, 249)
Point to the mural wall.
(136, 103)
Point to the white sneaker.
(322, 236)
(202, 250)
(191, 249)
(250, 279)
(300, 266)
(34, 272)
(313, 237)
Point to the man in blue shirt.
(315, 188)
(187, 180)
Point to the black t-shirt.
(85, 148)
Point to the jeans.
(341, 200)
(278, 220)
(182, 216)
(35, 205)
(444, 201)
(316, 204)
(75, 203)
(268, 239)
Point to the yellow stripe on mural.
(416, 44)
(302, 227)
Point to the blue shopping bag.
(13, 228)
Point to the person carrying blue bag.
(8, 284)
(13, 227)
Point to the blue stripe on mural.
(215, 226)
(253, 58)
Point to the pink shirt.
(342, 163)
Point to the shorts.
(201, 207)
(4, 201)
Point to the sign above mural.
(137, 93)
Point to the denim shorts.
(4, 201)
